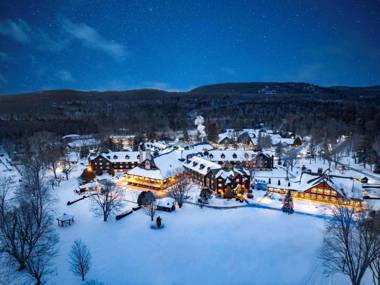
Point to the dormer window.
(234, 156)
(211, 156)
(201, 166)
(246, 155)
(108, 156)
(138, 156)
(115, 157)
(223, 156)
(127, 157)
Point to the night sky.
(179, 45)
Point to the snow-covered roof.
(83, 142)
(230, 155)
(71, 136)
(165, 202)
(224, 174)
(148, 173)
(65, 217)
(228, 134)
(251, 133)
(277, 139)
(183, 153)
(348, 187)
(72, 156)
(200, 165)
(90, 185)
(122, 137)
(123, 156)
(159, 145)
(168, 165)
(228, 175)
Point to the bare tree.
(350, 245)
(5, 184)
(375, 265)
(39, 263)
(108, 200)
(46, 147)
(26, 232)
(179, 191)
(67, 168)
(375, 268)
(151, 210)
(80, 259)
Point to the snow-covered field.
(196, 246)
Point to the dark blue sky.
(178, 45)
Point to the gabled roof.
(167, 165)
(200, 165)
(230, 155)
(346, 186)
(121, 156)
(228, 134)
(229, 175)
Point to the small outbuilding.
(65, 220)
(166, 204)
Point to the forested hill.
(262, 88)
(301, 107)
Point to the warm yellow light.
(89, 168)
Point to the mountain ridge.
(218, 88)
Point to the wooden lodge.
(322, 188)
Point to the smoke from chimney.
(199, 121)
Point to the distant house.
(229, 136)
(322, 188)
(189, 150)
(247, 137)
(125, 141)
(78, 143)
(250, 137)
(244, 158)
(263, 161)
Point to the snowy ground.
(196, 246)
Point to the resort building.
(113, 161)
(155, 173)
(228, 183)
(237, 157)
(322, 188)
(197, 168)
